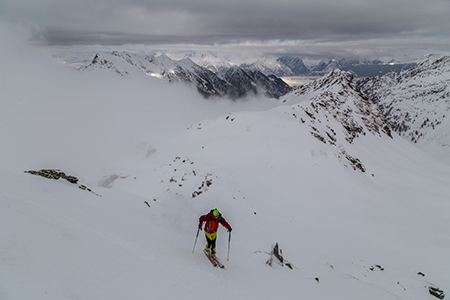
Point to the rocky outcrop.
(57, 174)
(436, 292)
(54, 174)
(276, 255)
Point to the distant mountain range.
(280, 66)
(227, 81)
(292, 65)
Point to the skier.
(212, 219)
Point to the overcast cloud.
(309, 27)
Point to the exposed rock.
(54, 174)
(277, 255)
(436, 292)
(57, 174)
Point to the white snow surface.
(349, 234)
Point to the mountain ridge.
(416, 102)
(336, 98)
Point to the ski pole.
(229, 240)
(198, 230)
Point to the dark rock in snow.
(57, 174)
(277, 255)
(436, 292)
(54, 174)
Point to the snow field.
(350, 235)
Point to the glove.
(200, 226)
(229, 230)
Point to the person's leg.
(211, 241)
(213, 245)
(208, 242)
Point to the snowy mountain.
(232, 82)
(336, 100)
(358, 212)
(295, 65)
(269, 66)
(416, 103)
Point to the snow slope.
(157, 158)
(273, 182)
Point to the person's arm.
(225, 223)
(200, 221)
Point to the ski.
(214, 263)
(218, 262)
(214, 260)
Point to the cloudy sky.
(344, 28)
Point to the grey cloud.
(118, 22)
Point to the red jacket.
(211, 223)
